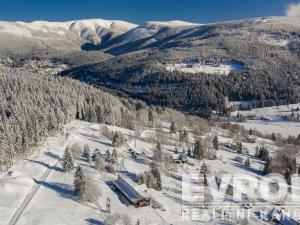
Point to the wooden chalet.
(131, 195)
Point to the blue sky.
(138, 11)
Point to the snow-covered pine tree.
(287, 176)
(263, 153)
(154, 170)
(107, 155)
(78, 180)
(118, 139)
(204, 168)
(68, 162)
(183, 135)
(91, 115)
(198, 152)
(216, 142)
(115, 139)
(268, 166)
(114, 156)
(150, 115)
(173, 128)
(87, 153)
(239, 146)
(157, 154)
(250, 132)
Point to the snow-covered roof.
(130, 193)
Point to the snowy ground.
(275, 40)
(37, 192)
(270, 120)
(223, 69)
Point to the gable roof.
(131, 194)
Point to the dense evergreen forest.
(143, 76)
(34, 106)
(268, 52)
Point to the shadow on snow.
(64, 190)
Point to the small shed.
(135, 198)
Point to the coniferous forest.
(34, 106)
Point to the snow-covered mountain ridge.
(92, 30)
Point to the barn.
(132, 196)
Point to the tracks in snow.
(18, 213)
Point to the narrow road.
(14, 219)
(18, 213)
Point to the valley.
(106, 122)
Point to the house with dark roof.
(129, 192)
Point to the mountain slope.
(190, 67)
(150, 34)
(40, 37)
(266, 49)
(92, 30)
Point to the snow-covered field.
(286, 129)
(223, 69)
(274, 40)
(270, 120)
(35, 191)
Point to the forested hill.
(184, 69)
(190, 67)
(34, 106)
